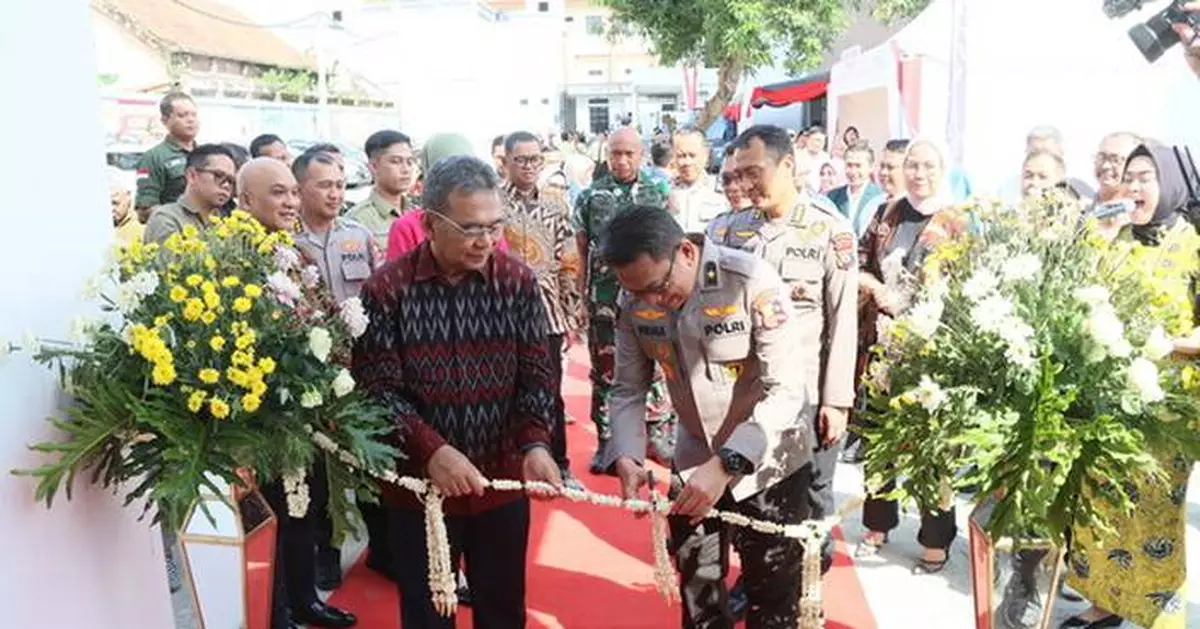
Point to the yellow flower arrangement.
(192, 360)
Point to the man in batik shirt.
(539, 232)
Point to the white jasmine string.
(810, 534)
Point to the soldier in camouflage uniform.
(624, 184)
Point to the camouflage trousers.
(602, 351)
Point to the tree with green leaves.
(740, 36)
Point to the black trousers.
(771, 565)
(494, 545)
(295, 563)
(820, 491)
(558, 434)
(938, 528)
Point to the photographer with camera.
(1190, 37)
(1177, 23)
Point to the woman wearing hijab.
(894, 247)
(1138, 571)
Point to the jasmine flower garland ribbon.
(810, 534)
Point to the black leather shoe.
(325, 616)
(1108, 622)
(738, 603)
(329, 570)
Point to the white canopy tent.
(982, 74)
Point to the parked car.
(358, 174)
(124, 156)
(720, 133)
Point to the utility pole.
(327, 20)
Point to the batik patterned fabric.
(539, 232)
(1139, 571)
(462, 364)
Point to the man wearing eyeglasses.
(539, 232)
(210, 176)
(717, 322)
(456, 350)
(735, 197)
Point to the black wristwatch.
(734, 463)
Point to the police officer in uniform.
(345, 254)
(717, 322)
(622, 186)
(736, 199)
(267, 190)
(813, 248)
(160, 177)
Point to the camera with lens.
(1154, 36)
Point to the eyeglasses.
(528, 160)
(1109, 158)
(222, 179)
(474, 232)
(661, 286)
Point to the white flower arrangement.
(1017, 361)
(320, 343)
(354, 316)
(343, 384)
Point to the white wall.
(87, 563)
(1087, 82)
(133, 63)
(993, 71)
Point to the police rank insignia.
(769, 310)
(711, 280)
(720, 312)
(649, 315)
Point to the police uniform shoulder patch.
(844, 249)
(769, 310)
(738, 262)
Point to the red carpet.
(591, 567)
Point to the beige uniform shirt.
(697, 204)
(169, 219)
(346, 256)
(377, 216)
(129, 230)
(728, 357)
(815, 252)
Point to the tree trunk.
(729, 74)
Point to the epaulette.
(738, 262)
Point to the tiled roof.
(207, 28)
